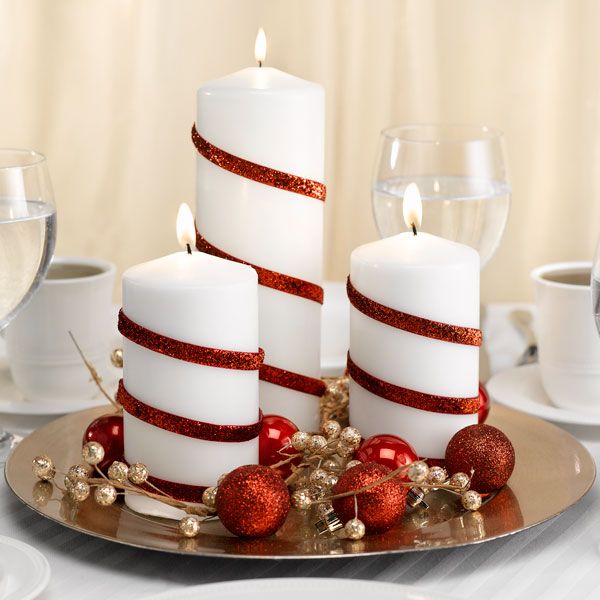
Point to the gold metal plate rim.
(532, 497)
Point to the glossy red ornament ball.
(484, 404)
(108, 431)
(380, 507)
(253, 501)
(387, 450)
(487, 451)
(275, 434)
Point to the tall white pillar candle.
(201, 300)
(429, 277)
(277, 120)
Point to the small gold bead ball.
(460, 480)
(76, 473)
(351, 436)
(93, 453)
(118, 471)
(301, 499)
(80, 490)
(330, 481)
(437, 475)
(137, 473)
(418, 472)
(116, 358)
(318, 476)
(353, 463)
(323, 508)
(105, 494)
(355, 529)
(331, 429)
(189, 526)
(43, 467)
(209, 497)
(329, 464)
(471, 500)
(316, 443)
(300, 440)
(342, 449)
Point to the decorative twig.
(94, 374)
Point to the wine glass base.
(7, 442)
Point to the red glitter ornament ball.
(253, 501)
(380, 507)
(275, 434)
(484, 404)
(108, 431)
(485, 450)
(388, 450)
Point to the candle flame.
(260, 46)
(412, 207)
(186, 232)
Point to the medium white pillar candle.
(276, 120)
(201, 300)
(429, 277)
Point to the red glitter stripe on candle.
(183, 492)
(256, 172)
(184, 426)
(412, 398)
(418, 325)
(201, 355)
(271, 279)
(292, 381)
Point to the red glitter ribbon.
(201, 355)
(271, 279)
(184, 426)
(184, 492)
(411, 323)
(292, 381)
(256, 172)
(412, 398)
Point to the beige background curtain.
(106, 89)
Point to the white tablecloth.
(559, 559)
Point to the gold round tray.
(552, 473)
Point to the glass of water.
(462, 175)
(27, 235)
(596, 286)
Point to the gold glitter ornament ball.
(137, 473)
(253, 501)
(485, 450)
(380, 507)
(105, 494)
(43, 467)
(189, 526)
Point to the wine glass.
(461, 173)
(27, 236)
(595, 283)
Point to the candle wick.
(414, 229)
(259, 64)
(189, 248)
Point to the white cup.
(568, 341)
(76, 296)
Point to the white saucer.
(26, 571)
(521, 388)
(13, 403)
(300, 588)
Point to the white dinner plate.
(300, 588)
(521, 388)
(25, 570)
